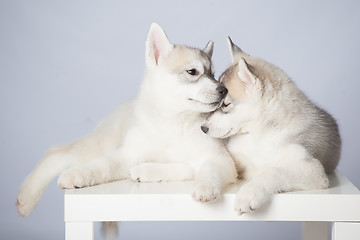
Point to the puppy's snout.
(204, 129)
(222, 90)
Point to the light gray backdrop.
(65, 64)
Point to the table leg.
(346, 231)
(79, 230)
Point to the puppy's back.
(312, 127)
(321, 138)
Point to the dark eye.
(193, 72)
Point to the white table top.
(171, 201)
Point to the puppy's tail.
(110, 230)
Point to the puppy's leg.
(102, 140)
(101, 170)
(54, 162)
(295, 169)
(158, 172)
(57, 160)
(216, 172)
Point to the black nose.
(204, 129)
(222, 90)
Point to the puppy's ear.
(251, 82)
(235, 51)
(158, 46)
(209, 48)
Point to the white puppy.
(155, 137)
(279, 139)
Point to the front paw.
(144, 173)
(204, 191)
(249, 198)
(75, 178)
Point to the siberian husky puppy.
(279, 139)
(155, 137)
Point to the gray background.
(65, 64)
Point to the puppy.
(154, 137)
(280, 141)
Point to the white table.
(171, 201)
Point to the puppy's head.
(242, 79)
(181, 77)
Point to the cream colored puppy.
(155, 137)
(279, 139)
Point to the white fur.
(154, 137)
(280, 141)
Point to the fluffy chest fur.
(170, 139)
(255, 151)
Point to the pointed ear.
(235, 51)
(209, 48)
(250, 81)
(158, 46)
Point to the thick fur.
(154, 137)
(279, 139)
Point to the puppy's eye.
(193, 72)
